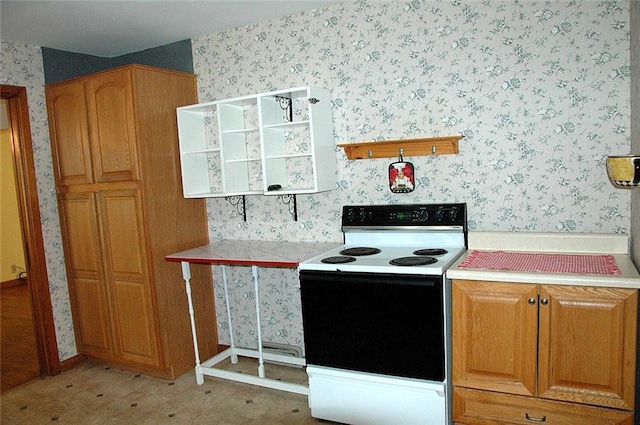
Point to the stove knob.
(423, 215)
(351, 216)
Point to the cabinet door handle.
(534, 419)
(544, 301)
(532, 301)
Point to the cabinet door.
(133, 316)
(588, 345)
(111, 117)
(69, 133)
(495, 336)
(87, 285)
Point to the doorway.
(29, 211)
(18, 349)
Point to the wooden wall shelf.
(410, 147)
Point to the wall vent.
(281, 349)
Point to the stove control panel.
(413, 215)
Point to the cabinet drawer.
(474, 407)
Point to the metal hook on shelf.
(290, 200)
(286, 105)
(239, 202)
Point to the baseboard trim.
(72, 362)
(12, 283)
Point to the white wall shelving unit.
(245, 145)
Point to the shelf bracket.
(239, 201)
(293, 205)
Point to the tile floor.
(94, 394)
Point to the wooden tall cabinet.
(557, 354)
(116, 159)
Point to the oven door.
(390, 324)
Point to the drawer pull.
(534, 419)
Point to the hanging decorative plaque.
(401, 176)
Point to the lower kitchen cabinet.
(128, 303)
(122, 313)
(558, 354)
(111, 294)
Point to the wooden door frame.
(46, 341)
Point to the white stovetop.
(559, 243)
(379, 263)
(392, 245)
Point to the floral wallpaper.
(539, 89)
(21, 65)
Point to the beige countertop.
(552, 243)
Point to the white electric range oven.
(377, 316)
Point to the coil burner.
(360, 251)
(430, 251)
(338, 259)
(412, 261)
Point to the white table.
(254, 254)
